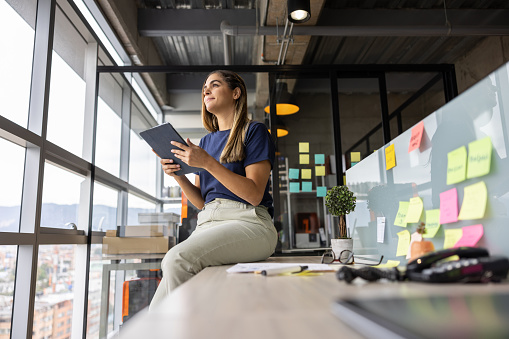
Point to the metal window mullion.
(384, 107)
(26, 267)
(8, 238)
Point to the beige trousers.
(227, 232)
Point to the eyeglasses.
(346, 257)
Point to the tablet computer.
(160, 138)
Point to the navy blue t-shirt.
(258, 146)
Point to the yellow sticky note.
(414, 210)
(456, 165)
(401, 216)
(306, 173)
(355, 156)
(303, 147)
(475, 198)
(452, 236)
(479, 157)
(390, 157)
(303, 159)
(389, 264)
(432, 223)
(319, 171)
(403, 243)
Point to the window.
(15, 87)
(109, 126)
(7, 273)
(60, 197)
(67, 87)
(142, 161)
(54, 289)
(136, 206)
(105, 208)
(11, 185)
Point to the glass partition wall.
(77, 169)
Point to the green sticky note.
(294, 187)
(306, 173)
(479, 157)
(303, 159)
(321, 191)
(432, 223)
(319, 159)
(456, 165)
(403, 243)
(452, 236)
(401, 216)
(293, 173)
(414, 211)
(475, 198)
(303, 147)
(307, 186)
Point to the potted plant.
(420, 248)
(340, 201)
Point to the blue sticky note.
(319, 159)
(294, 187)
(307, 186)
(293, 173)
(321, 191)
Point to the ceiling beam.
(339, 22)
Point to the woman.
(235, 224)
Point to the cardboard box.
(145, 231)
(117, 245)
(158, 218)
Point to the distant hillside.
(54, 215)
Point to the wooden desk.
(218, 305)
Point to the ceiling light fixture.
(285, 103)
(299, 11)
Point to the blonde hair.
(234, 148)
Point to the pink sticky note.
(449, 206)
(471, 235)
(415, 139)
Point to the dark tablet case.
(160, 138)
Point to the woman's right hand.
(169, 167)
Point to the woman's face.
(217, 96)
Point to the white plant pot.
(339, 245)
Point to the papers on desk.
(260, 266)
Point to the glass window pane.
(306, 153)
(7, 273)
(67, 87)
(60, 197)
(138, 205)
(16, 65)
(54, 291)
(109, 126)
(142, 160)
(11, 185)
(94, 291)
(105, 208)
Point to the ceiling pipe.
(432, 30)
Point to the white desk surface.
(219, 305)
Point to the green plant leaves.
(340, 200)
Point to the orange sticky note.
(390, 157)
(415, 139)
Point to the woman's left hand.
(192, 155)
